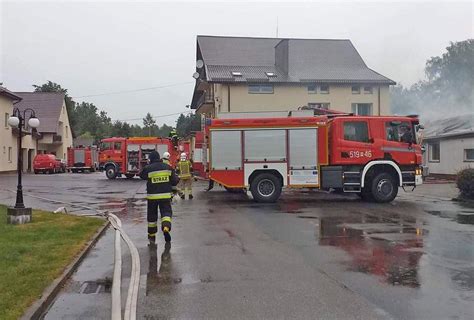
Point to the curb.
(40, 306)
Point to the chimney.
(281, 55)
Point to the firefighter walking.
(184, 168)
(160, 180)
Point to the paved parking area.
(311, 255)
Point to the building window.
(368, 90)
(468, 155)
(9, 154)
(312, 88)
(433, 152)
(260, 88)
(362, 109)
(319, 105)
(355, 89)
(324, 88)
(356, 131)
(7, 116)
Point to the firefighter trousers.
(152, 215)
(186, 187)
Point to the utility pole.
(277, 28)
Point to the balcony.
(207, 97)
(57, 138)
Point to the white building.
(52, 136)
(449, 145)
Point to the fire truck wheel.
(384, 188)
(110, 172)
(366, 195)
(265, 187)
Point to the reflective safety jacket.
(184, 169)
(161, 178)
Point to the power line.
(134, 90)
(110, 93)
(160, 116)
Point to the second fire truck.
(127, 156)
(369, 155)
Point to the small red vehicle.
(128, 156)
(47, 163)
(81, 159)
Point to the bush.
(465, 183)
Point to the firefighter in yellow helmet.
(184, 169)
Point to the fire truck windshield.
(105, 146)
(400, 131)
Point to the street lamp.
(19, 214)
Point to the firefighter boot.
(190, 196)
(152, 240)
(166, 233)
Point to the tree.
(149, 123)
(187, 124)
(448, 85)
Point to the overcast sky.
(94, 48)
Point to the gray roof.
(47, 106)
(7, 93)
(449, 127)
(299, 60)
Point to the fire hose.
(130, 312)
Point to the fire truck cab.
(368, 155)
(129, 155)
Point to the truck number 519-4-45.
(360, 154)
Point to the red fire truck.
(81, 159)
(127, 156)
(368, 155)
(198, 148)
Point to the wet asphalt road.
(311, 255)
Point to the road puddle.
(133, 208)
(392, 248)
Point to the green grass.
(34, 254)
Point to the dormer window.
(236, 74)
(270, 74)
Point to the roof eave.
(10, 95)
(304, 81)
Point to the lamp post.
(19, 214)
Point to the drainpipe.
(378, 98)
(228, 98)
